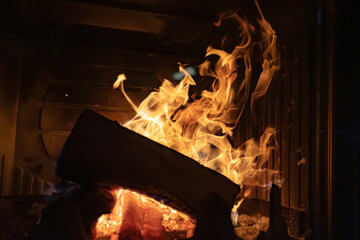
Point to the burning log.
(100, 151)
(140, 223)
(278, 229)
(73, 216)
(214, 221)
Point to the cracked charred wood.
(99, 150)
(213, 221)
(73, 216)
(60, 220)
(278, 229)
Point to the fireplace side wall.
(10, 72)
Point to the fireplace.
(60, 58)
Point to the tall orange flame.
(202, 129)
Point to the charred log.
(99, 150)
(213, 222)
(73, 216)
(278, 229)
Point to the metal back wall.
(299, 105)
(287, 107)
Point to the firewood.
(100, 151)
(278, 229)
(72, 216)
(213, 222)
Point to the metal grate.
(26, 184)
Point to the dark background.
(346, 122)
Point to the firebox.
(61, 57)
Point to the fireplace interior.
(58, 58)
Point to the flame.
(119, 79)
(202, 128)
(271, 59)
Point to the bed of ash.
(248, 228)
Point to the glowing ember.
(172, 220)
(202, 129)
